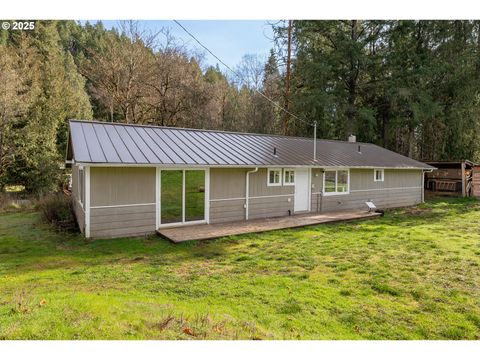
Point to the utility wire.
(241, 78)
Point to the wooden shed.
(476, 181)
(450, 178)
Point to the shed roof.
(452, 164)
(115, 143)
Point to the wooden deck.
(212, 231)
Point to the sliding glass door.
(182, 196)
(171, 196)
(194, 195)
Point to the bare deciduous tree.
(120, 69)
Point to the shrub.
(58, 210)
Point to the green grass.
(413, 274)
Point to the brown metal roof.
(114, 143)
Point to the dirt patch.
(417, 211)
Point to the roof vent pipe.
(352, 138)
(359, 150)
(274, 151)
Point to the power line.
(241, 78)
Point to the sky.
(228, 39)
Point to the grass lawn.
(413, 274)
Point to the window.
(379, 174)
(182, 196)
(274, 177)
(288, 177)
(342, 181)
(336, 182)
(330, 179)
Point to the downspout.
(247, 187)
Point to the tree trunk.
(411, 142)
(352, 84)
(287, 78)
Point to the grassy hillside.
(413, 274)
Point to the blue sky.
(228, 39)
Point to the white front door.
(302, 187)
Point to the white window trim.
(336, 182)
(268, 176)
(375, 175)
(284, 178)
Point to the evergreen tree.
(57, 94)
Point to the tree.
(51, 92)
(15, 98)
(269, 120)
(174, 91)
(408, 85)
(118, 71)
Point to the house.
(133, 179)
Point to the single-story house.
(133, 179)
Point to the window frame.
(285, 182)
(336, 182)
(382, 171)
(279, 177)
(158, 196)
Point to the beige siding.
(399, 188)
(317, 187)
(75, 182)
(80, 214)
(266, 207)
(317, 180)
(361, 179)
(110, 188)
(382, 199)
(227, 183)
(228, 210)
(122, 221)
(121, 186)
(258, 185)
(77, 207)
(265, 201)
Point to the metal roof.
(115, 143)
(442, 163)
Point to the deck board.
(212, 231)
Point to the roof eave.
(123, 164)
